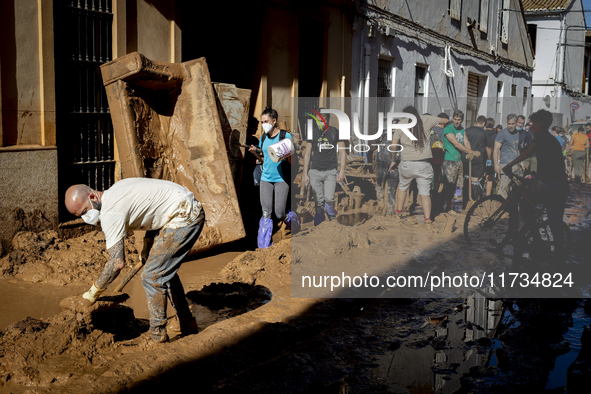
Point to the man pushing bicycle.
(552, 186)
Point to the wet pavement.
(399, 345)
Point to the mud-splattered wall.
(233, 106)
(29, 201)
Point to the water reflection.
(434, 359)
(352, 219)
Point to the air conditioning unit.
(388, 31)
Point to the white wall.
(443, 93)
(547, 49)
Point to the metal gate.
(84, 122)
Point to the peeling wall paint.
(420, 40)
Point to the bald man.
(172, 219)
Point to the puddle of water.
(557, 377)
(39, 300)
(493, 357)
(22, 299)
(194, 274)
(419, 367)
(508, 321)
(351, 219)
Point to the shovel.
(129, 276)
(385, 189)
(471, 202)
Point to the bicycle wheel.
(542, 242)
(484, 227)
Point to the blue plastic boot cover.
(319, 217)
(292, 221)
(265, 233)
(331, 211)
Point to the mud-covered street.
(254, 337)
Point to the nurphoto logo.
(345, 129)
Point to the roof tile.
(545, 5)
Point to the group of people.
(444, 152)
(437, 153)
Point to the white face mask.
(267, 127)
(91, 216)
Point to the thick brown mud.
(255, 337)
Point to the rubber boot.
(265, 233)
(319, 217)
(330, 211)
(476, 191)
(292, 222)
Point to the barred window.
(384, 78)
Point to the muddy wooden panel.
(233, 106)
(166, 123)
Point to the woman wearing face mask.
(275, 180)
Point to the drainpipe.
(366, 88)
(343, 59)
(559, 66)
(361, 87)
(343, 93)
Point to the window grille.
(85, 118)
(384, 78)
(420, 89)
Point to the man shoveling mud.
(172, 219)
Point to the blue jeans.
(323, 184)
(160, 278)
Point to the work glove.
(476, 153)
(92, 294)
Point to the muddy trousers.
(578, 159)
(323, 185)
(452, 170)
(160, 279)
(391, 184)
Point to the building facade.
(55, 127)
(470, 55)
(557, 28)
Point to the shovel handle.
(470, 179)
(130, 275)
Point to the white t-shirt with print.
(145, 204)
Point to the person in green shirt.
(454, 143)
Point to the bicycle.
(493, 220)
